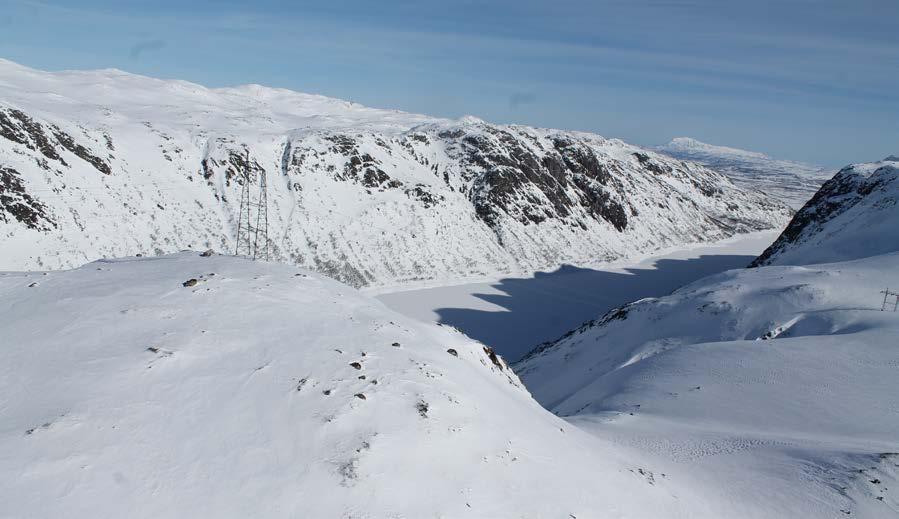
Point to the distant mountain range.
(791, 182)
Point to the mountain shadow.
(544, 307)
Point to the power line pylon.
(887, 294)
(243, 215)
(249, 237)
(261, 220)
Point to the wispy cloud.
(142, 47)
(631, 68)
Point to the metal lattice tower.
(261, 219)
(887, 294)
(250, 237)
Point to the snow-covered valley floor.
(512, 315)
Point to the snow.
(513, 315)
(371, 197)
(177, 385)
(112, 98)
(772, 391)
(688, 144)
(790, 181)
(853, 216)
(124, 393)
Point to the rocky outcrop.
(19, 128)
(852, 216)
(17, 204)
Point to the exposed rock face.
(366, 196)
(19, 128)
(16, 204)
(852, 216)
(556, 176)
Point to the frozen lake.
(514, 314)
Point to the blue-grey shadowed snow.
(550, 304)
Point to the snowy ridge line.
(108, 164)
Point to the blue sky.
(799, 79)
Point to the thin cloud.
(142, 47)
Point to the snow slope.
(106, 164)
(791, 182)
(854, 215)
(774, 390)
(128, 390)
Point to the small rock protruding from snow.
(494, 358)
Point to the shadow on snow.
(544, 307)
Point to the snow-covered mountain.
(106, 164)
(854, 215)
(774, 389)
(189, 386)
(791, 182)
(775, 386)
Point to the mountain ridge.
(112, 164)
(852, 216)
